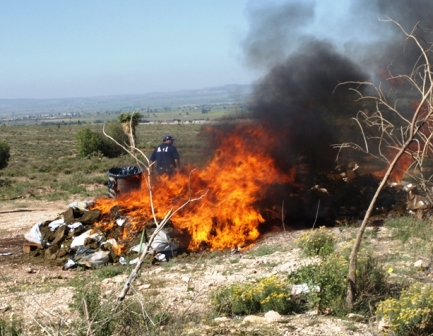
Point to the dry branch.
(146, 166)
(134, 272)
(394, 135)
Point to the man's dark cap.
(167, 137)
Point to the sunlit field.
(44, 162)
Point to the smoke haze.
(297, 100)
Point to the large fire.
(235, 178)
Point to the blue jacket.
(165, 155)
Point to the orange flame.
(401, 167)
(235, 179)
(417, 148)
(399, 170)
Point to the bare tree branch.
(398, 135)
(146, 166)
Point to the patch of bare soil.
(19, 215)
(17, 273)
(16, 218)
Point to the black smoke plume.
(298, 100)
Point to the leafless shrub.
(397, 133)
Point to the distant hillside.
(232, 93)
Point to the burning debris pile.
(229, 215)
(234, 180)
(72, 239)
(243, 200)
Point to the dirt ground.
(17, 273)
(16, 218)
(40, 292)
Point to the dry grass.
(44, 162)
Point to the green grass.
(10, 327)
(109, 271)
(44, 163)
(319, 242)
(263, 250)
(404, 228)
(414, 234)
(132, 318)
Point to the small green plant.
(404, 228)
(126, 118)
(411, 314)
(318, 242)
(88, 142)
(4, 154)
(87, 301)
(115, 130)
(129, 123)
(270, 293)
(109, 271)
(415, 234)
(327, 283)
(263, 250)
(12, 328)
(136, 316)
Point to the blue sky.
(59, 49)
(64, 48)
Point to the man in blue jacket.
(166, 156)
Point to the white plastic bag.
(79, 240)
(303, 289)
(70, 264)
(161, 243)
(74, 226)
(95, 259)
(111, 241)
(137, 249)
(34, 235)
(121, 221)
(83, 205)
(123, 261)
(56, 224)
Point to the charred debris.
(332, 199)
